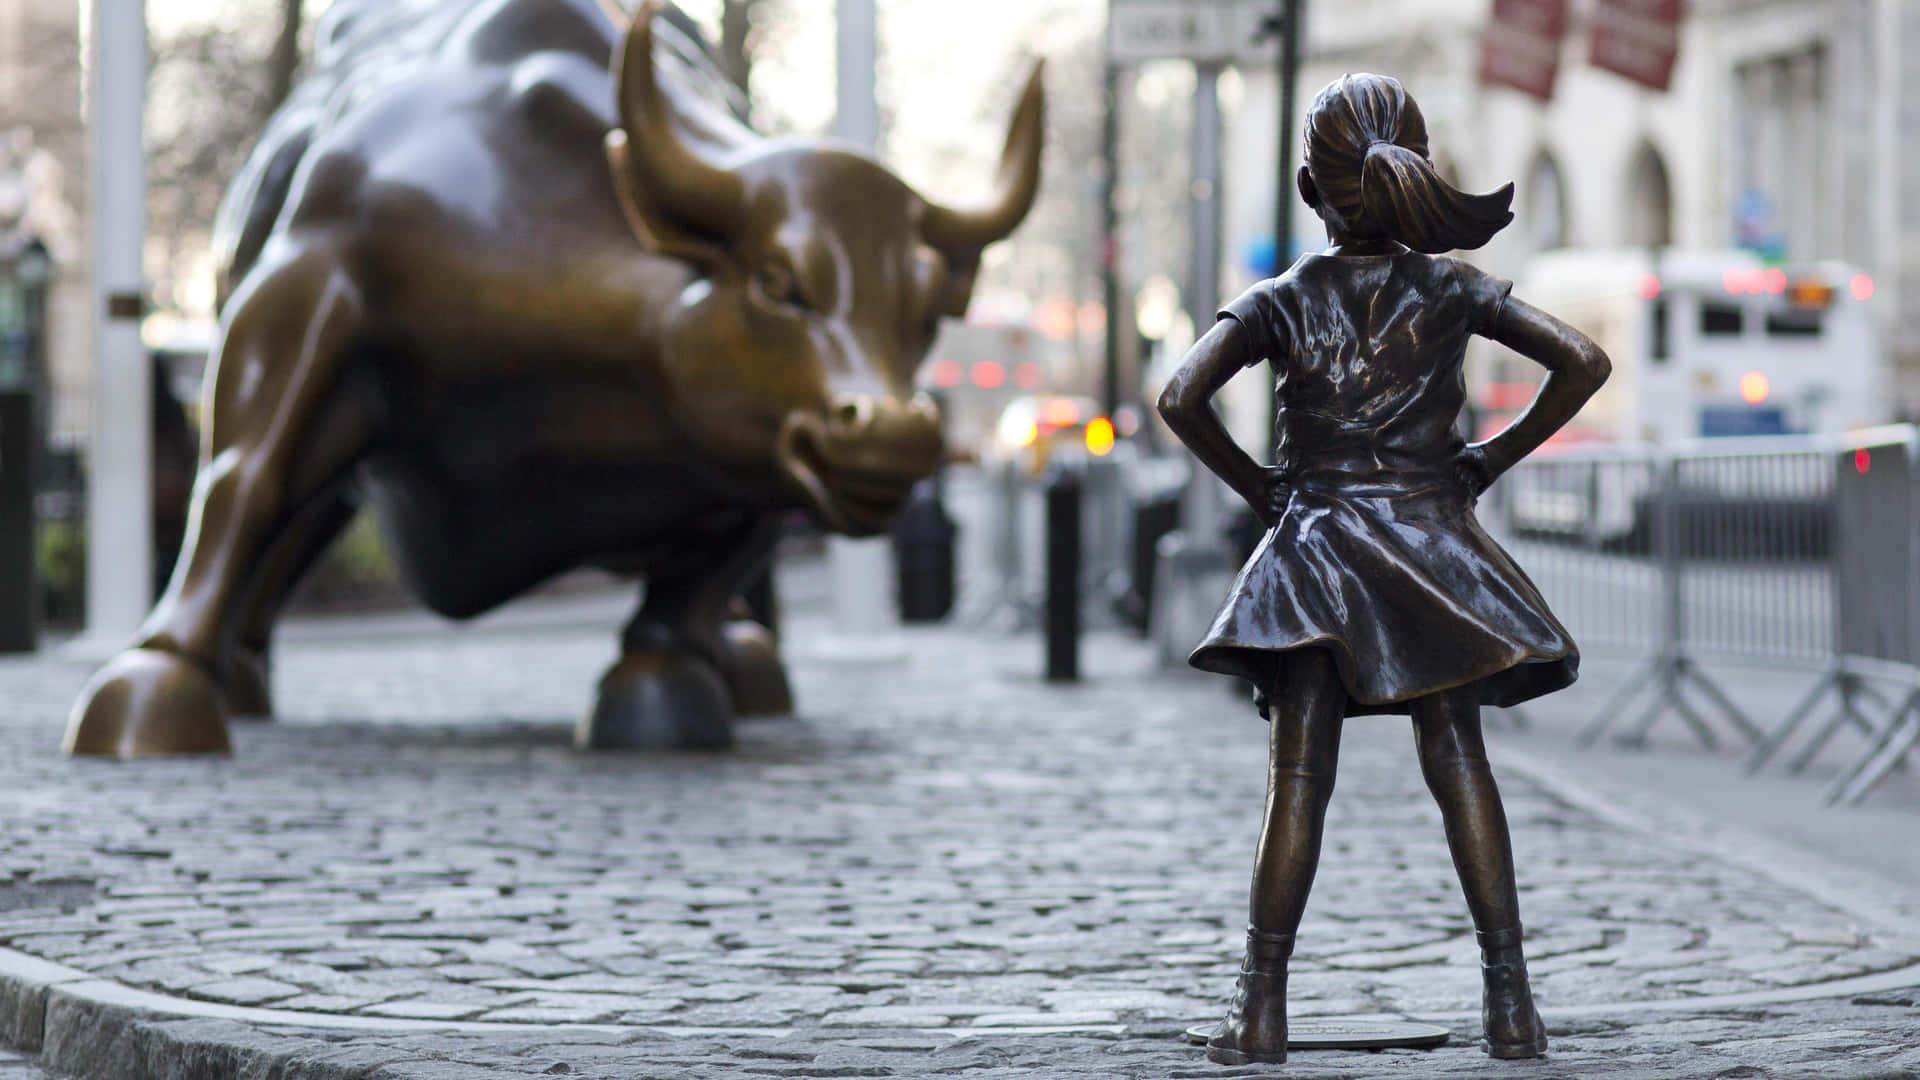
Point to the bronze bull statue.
(535, 295)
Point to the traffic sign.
(1203, 30)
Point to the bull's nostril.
(853, 413)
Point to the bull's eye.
(776, 281)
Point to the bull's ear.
(656, 229)
(957, 291)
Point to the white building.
(1812, 104)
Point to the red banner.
(1520, 46)
(1638, 39)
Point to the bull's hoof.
(147, 703)
(248, 685)
(755, 675)
(667, 700)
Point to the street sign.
(1202, 30)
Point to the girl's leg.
(1307, 705)
(1303, 750)
(1453, 758)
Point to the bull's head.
(822, 281)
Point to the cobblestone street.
(943, 866)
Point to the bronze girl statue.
(1375, 590)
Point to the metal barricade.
(1004, 502)
(1779, 552)
(1878, 570)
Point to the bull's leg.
(246, 668)
(671, 687)
(751, 665)
(281, 431)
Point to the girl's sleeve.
(1484, 293)
(1260, 312)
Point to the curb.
(89, 1026)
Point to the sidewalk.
(944, 866)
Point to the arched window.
(1649, 220)
(1545, 205)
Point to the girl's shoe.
(1512, 1024)
(1255, 1029)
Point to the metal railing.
(1003, 567)
(1792, 551)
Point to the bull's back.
(543, 55)
(427, 59)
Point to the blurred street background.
(1721, 192)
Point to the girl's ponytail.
(1366, 149)
(1405, 197)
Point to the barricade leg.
(1644, 674)
(1681, 706)
(1896, 741)
(1670, 671)
(1851, 689)
(1771, 742)
(1691, 672)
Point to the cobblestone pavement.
(940, 861)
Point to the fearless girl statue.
(1375, 590)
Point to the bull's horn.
(966, 230)
(666, 171)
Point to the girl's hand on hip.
(1276, 489)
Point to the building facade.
(1790, 124)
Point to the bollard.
(1063, 576)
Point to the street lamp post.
(1286, 26)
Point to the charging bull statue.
(530, 291)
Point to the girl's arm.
(1186, 404)
(1575, 369)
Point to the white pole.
(857, 116)
(119, 480)
(861, 570)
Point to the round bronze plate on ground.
(1348, 1035)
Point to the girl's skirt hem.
(1518, 680)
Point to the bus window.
(1657, 324)
(1721, 320)
(1793, 322)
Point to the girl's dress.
(1377, 556)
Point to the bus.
(1704, 344)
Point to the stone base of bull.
(147, 703)
(665, 700)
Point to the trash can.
(1155, 513)
(923, 540)
(19, 595)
